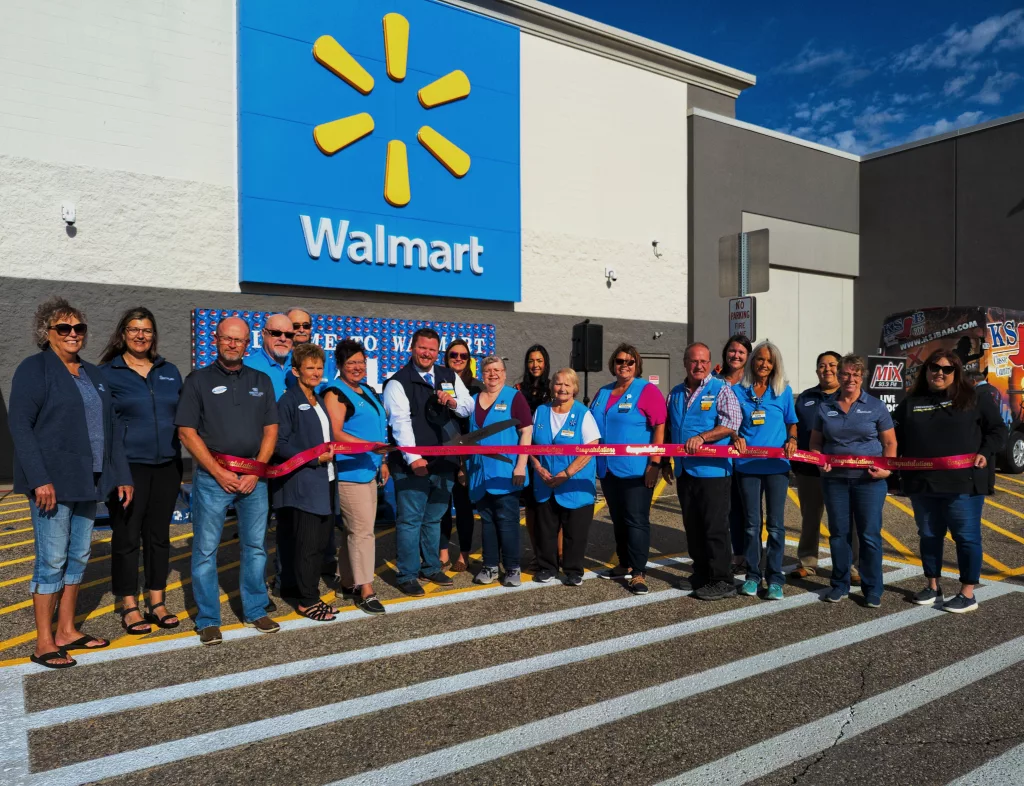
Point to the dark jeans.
(147, 520)
(499, 529)
(305, 537)
(737, 519)
(420, 501)
(851, 501)
(960, 514)
(575, 526)
(774, 488)
(463, 519)
(705, 506)
(629, 503)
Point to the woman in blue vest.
(357, 415)
(305, 498)
(735, 354)
(769, 420)
(145, 389)
(565, 487)
(494, 485)
(629, 410)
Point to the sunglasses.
(302, 325)
(625, 362)
(64, 329)
(937, 368)
(278, 333)
(458, 355)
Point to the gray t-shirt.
(93, 417)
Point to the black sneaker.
(573, 580)
(717, 590)
(412, 588)
(618, 572)
(928, 596)
(960, 604)
(440, 579)
(638, 585)
(543, 576)
(370, 604)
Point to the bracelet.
(703, 438)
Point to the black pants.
(705, 505)
(575, 526)
(463, 520)
(629, 503)
(302, 538)
(147, 519)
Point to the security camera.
(654, 243)
(610, 274)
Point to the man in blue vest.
(703, 410)
(421, 400)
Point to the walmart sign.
(379, 148)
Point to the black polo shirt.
(228, 408)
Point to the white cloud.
(811, 59)
(844, 140)
(852, 76)
(955, 86)
(960, 45)
(991, 92)
(943, 126)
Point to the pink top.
(651, 403)
(520, 411)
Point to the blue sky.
(858, 77)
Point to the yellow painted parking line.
(14, 502)
(1001, 531)
(1008, 491)
(13, 510)
(1003, 508)
(19, 543)
(1011, 479)
(14, 531)
(17, 561)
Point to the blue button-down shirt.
(853, 433)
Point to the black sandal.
(46, 658)
(133, 629)
(161, 622)
(319, 612)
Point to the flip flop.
(46, 657)
(83, 642)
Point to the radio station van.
(986, 339)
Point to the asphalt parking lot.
(545, 684)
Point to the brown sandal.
(458, 567)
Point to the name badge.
(625, 406)
(448, 388)
(568, 433)
(304, 407)
(500, 407)
(757, 417)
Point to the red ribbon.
(252, 467)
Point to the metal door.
(656, 371)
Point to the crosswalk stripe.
(459, 757)
(1003, 770)
(766, 757)
(257, 731)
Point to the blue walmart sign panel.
(379, 147)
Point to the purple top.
(520, 411)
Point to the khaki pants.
(356, 555)
(812, 506)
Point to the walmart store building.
(484, 164)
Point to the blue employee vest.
(621, 425)
(579, 490)
(487, 475)
(366, 421)
(700, 417)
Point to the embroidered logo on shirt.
(863, 411)
(810, 403)
(218, 390)
(304, 407)
(100, 387)
(165, 379)
(833, 414)
(256, 392)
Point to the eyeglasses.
(302, 325)
(458, 356)
(231, 341)
(64, 329)
(354, 364)
(625, 362)
(278, 333)
(850, 375)
(937, 368)
(135, 331)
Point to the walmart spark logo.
(339, 134)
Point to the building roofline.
(999, 121)
(555, 24)
(731, 121)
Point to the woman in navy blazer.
(145, 389)
(67, 457)
(306, 499)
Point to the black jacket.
(928, 426)
(308, 488)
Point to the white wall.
(805, 314)
(127, 109)
(604, 172)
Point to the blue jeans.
(961, 515)
(63, 543)
(209, 507)
(499, 529)
(860, 501)
(775, 488)
(421, 502)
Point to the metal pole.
(744, 265)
